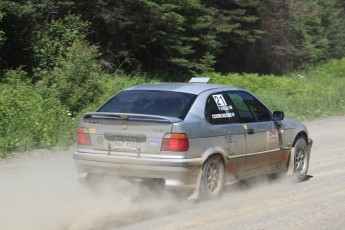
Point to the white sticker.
(154, 143)
(223, 115)
(225, 108)
(219, 99)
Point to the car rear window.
(151, 102)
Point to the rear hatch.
(135, 122)
(121, 133)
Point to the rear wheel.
(301, 163)
(212, 184)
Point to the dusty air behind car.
(190, 136)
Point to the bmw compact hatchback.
(194, 136)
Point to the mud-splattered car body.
(190, 135)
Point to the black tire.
(212, 184)
(301, 163)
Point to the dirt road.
(40, 191)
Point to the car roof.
(193, 88)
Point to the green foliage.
(206, 63)
(68, 69)
(333, 70)
(296, 33)
(17, 25)
(54, 42)
(168, 36)
(20, 8)
(267, 83)
(2, 33)
(306, 15)
(76, 79)
(27, 119)
(319, 27)
(173, 36)
(22, 22)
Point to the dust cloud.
(45, 194)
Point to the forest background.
(59, 59)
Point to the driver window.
(249, 108)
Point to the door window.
(249, 108)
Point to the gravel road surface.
(40, 190)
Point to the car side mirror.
(278, 115)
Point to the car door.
(262, 136)
(220, 114)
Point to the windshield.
(151, 102)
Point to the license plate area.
(125, 143)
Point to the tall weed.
(28, 120)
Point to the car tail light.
(83, 136)
(176, 142)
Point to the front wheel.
(301, 163)
(212, 184)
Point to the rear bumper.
(177, 173)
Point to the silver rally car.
(190, 136)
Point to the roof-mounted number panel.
(199, 80)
